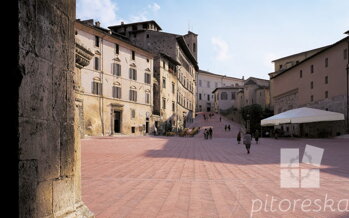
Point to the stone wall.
(48, 162)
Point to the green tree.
(254, 114)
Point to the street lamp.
(248, 122)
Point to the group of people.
(208, 133)
(247, 139)
(210, 115)
(227, 127)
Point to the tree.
(253, 114)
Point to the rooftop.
(130, 24)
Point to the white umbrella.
(302, 115)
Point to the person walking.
(229, 127)
(210, 131)
(247, 141)
(225, 127)
(256, 136)
(205, 134)
(220, 119)
(238, 138)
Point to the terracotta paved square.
(193, 177)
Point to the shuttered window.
(116, 69)
(133, 95)
(116, 92)
(97, 88)
(133, 74)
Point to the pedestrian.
(276, 132)
(205, 134)
(247, 141)
(220, 119)
(256, 136)
(238, 138)
(225, 127)
(210, 132)
(229, 127)
(204, 117)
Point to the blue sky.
(237, 37)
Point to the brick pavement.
(192, 177)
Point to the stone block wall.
(47, 158)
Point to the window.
(326, 79)
(208, 97)
(280, 66)
(164, 64)
(133, 74)
(194, 47)
(147, 60)
(311, 85)
(199, 96)
(163, 103)
(224, 96)
(216, 85)
(326, 62)
(147, 78)
(116, 48)
(116, 69)
(116, 92)
(345, 54)
(96, 63)
(147, 98)
(133, 129)
(163, 82)
(200, 83)
(147, 35)
(173, 106)
(311, 98)
(233, 95)
(133, 95)
(326, 94)
(97, 88)
(300, 73)
(312, 69)
(96, 41)
(173, 88)
(208, 84)
(133, 55)
(133, 113)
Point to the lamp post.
(248, 122)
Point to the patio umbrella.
(302, 115)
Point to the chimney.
(122, 22)
(98, 24)
(243, 78)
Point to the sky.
(235, 37)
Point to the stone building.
(48, 149)
(225, 98)
(207, 82)
(175, 68)
(320, 81)
(253, 91)
(116, 86)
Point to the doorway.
(117, 121)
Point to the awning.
(302, 115)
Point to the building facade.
(225, 98)
(318, 81)
(175, 70)
(207, 82)
(253, 91)
(256, 91)
(116, 86)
